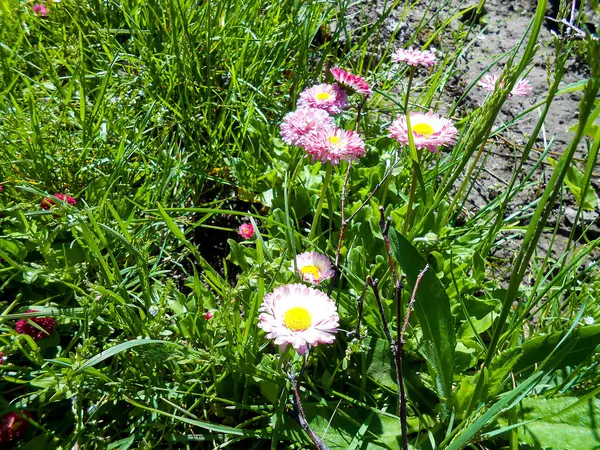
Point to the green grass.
(161, 118)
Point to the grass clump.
(179, 269)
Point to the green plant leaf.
(537, 349)
(118, 349)
(565, 423)
(574, 180)
(432, 308)
(14, 248)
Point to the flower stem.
(414, 157)
(322, 196)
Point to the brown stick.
(298, 413)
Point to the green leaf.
(207, 425)
(491, 413)
(574, 179)
(432, 308)
(118, 349)
(537, 349)
(565, 423)
(14, 248)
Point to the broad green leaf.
(490, 414)
(564, 423)
(537, 349)
(432, 308)
(574, 180)
(14, 248)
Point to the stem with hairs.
(322, 196)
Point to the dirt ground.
(501, 28)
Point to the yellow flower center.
(334, 139)
(323, 96)
(297, 319)
(311, 270)
(423, 129)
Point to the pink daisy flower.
(489, 82)
(47, 203)
(297, 125)
(351, 82)
(313, 267)
(414, 57)
(298, 315)
(327, 97)
(209, 315)
(246, 230)
(23, 326)
(40, 9)
(429, 130)
(332, 144)
(522, 89)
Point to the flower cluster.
(44, 327)
(47, 203)
(312, 126)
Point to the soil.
(503, 24)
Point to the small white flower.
(153, 310)
(588, 320)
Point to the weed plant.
(130, 303)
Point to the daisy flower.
(46, 323)
(313, 267)
(47, 203)
(522, 89)
(332, 144)
(327, 97)
(429, 130)
(414, 57)
(246, 230)
(300, 123)
(298, 315)
(489, 82)
(352, 83)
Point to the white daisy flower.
(313, 267)
(298, 315)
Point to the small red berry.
(209, 315)
(24, 327)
